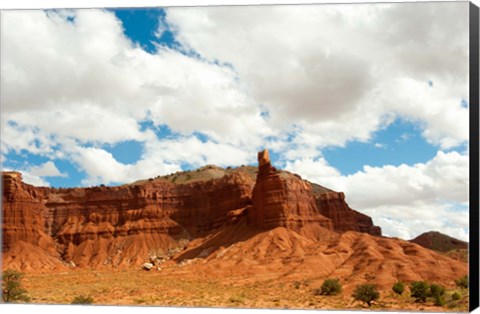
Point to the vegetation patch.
(366, 293)
(329, 287)
(398, 288)
(12, 290)
(82, 299)
(419, 290)
(462, 282)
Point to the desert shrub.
(419, 290)
(456, 296)
(12, 290)
(398, 287)
(82, 299)
(462, 282)
(297, 284)
(330, 287)
(439, 300)
(366, 293)
(436, 290)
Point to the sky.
(368, 99)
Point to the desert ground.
(174, 286)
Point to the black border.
(474, 159)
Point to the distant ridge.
(440, 242)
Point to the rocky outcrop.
(282, 201)
(124, 225)
(114, 226)
(25, 219)
(440, 242)
(333, 205)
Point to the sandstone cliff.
(333, 205)
(285, 201)
(124, 225)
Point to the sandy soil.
(174, 286)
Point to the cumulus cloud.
(47, 169)
(33, 179)
(96, 85)
(102, 167)
(190, 150)
(405, 200)
(35, 174)
(160, 157)
(327, 68)
(93, 85)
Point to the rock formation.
(333, 205)
(440, 242)
(123, 225)
(282, 201)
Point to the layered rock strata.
(282, 201)
(333, 205)
(123, 225)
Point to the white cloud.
(445, 177)
(338, 70)
(101, 167)
(316, 170)
(404, 200)
(204, 97)
(47, 169)
(28, 177)
(192, 151)
(93, 84)
(160, 157)
(445, 120)
(33, 179)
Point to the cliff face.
(283, 201)
(333, 206)
(118, 225)
(124, 225)
(24, 218)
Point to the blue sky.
(127, 94)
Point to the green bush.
(436, 291)
(82, 299)
(366, 293)
(330, 287)
(462, 282)
(419, 290)
(12, 290)
(439, 300)
(456, 296)
(398, 287)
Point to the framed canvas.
(300, 156)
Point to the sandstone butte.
(244, 222)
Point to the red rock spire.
(263, 158)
